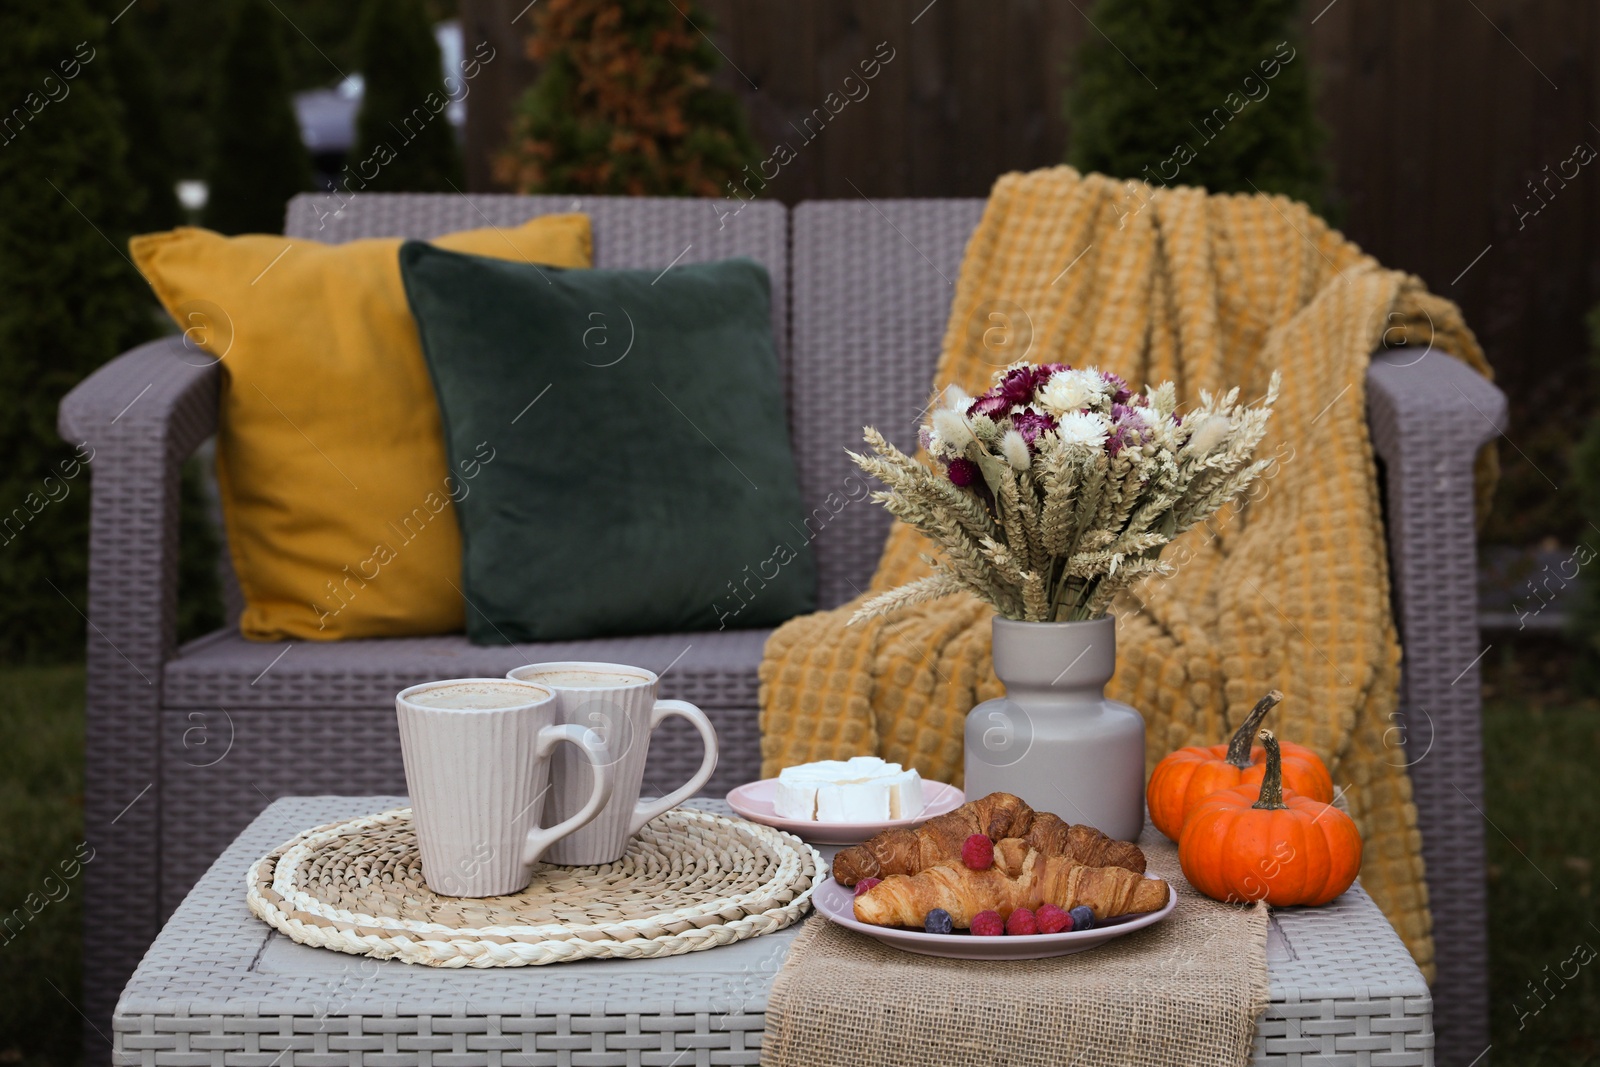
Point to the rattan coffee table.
(219, 987)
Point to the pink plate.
(753, 800)
(838, 904)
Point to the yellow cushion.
(336, 493)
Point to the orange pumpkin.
(1254, 842)
(1189, 775)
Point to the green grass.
(1543, 786)
(1542, 790)
(41, 826)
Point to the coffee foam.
(580, 678)
(477, 696)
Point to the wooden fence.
(1460, 143)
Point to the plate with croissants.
(994, 879)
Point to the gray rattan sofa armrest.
(163, 386)
(1429, 414)
(142, 414)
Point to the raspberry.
(1052, 920)
(938, 922)
(1082, 917)
(977, 852)
(987, 924)
(866, 884)
(1021, 923)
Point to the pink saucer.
(753, 800)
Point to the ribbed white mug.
(478, 755)
(620, 702)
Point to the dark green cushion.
(618, 444)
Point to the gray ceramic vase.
(1054, 739)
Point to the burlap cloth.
(1185, 991)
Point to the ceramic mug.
(620, 703)
(478, 755)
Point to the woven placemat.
(1187, 990)
(690, 880)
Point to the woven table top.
(690, 880)
(220, 986)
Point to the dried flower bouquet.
(1059, 487)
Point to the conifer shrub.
(1215, 93)
(403, 107)
(152, 156)
(624, 104)
(72, 301)
(258, 160)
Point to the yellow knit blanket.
(1288, 590)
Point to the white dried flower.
(1082, 428)
(1071, 390)
(1015, 449)
(956, 398)
(1150, 416)
(1211, 432)
(951, 429)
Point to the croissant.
(906, 899)
(1001, 817)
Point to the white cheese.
(859, 801)
(795, 799)
(905, 795)
(859, 790)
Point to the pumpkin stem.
(1271, 797)
(1239, 747)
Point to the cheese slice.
(905, 794)
(857, 801)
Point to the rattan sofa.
(187, 744)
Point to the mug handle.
(595, 751)
(644, 811)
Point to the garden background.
(1451, 138)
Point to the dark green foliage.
(1543, 849)
(1184, 98)
(145, 126)
(72, 301)
(199, 587)
(258, 160)
(404, 103)
(624, 104)
(319, 39)
(1585, 622)
(41, 828)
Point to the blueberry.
(1082, 917)
(938, 922)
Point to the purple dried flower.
(1018, 385)
(1119, 387)
(992, 404)
(1121, 434)
(1045, 371)
(925, 439)
(1031, 424)
(963, 472)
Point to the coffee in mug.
(478, 755)
(619, 702)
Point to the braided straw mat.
(690, 880)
